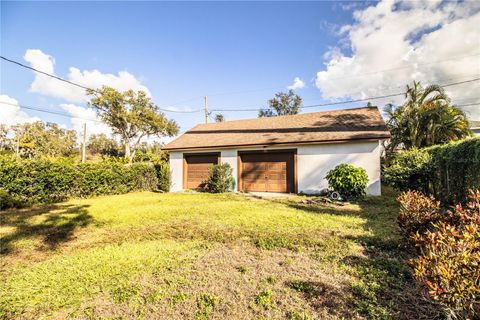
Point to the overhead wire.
(239, 109)
(352, 100)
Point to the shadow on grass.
(54, 224)
(384, 285)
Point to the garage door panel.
(270, 172)
(197, 170)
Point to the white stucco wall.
(176, 168)
(313, 163)
(230, 156)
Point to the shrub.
(6, 200)
(164, 176)
(446, 171)
(220, 179)
(455, 170)
(449, 264)
(46, 181)
(409, 170)
(418, 213)
(348, 180)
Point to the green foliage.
(131, 115)
(125, 292)
(455, 170)
(6, 200)
(348, 180)
(449, 263)
(264, 299)
(284, 103)
(177, 298)
(300, 315)
(409, 170)
(220, 179)
(418, 213)
(426, 118)
(164, 176)
(46, 181)
(206, 304)
(150, 153)
(445, 171)
(302, 286)
(102, 145)
(219, 117)
(39, 139)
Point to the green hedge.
(446, 171)
(46, 181)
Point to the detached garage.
(288, 154)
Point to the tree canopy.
(38, 139)
(131, 115)
(219, 117)
(284, 103)
(426, 118)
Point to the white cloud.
(94, 126)
(89, 78)
(297, 84)
(10, 112)
(434, 42)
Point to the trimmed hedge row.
(45, 181)
(446, 171)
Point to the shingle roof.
(327, 126)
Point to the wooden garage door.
(197, 169)
(267, 172)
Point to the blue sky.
(237, 53)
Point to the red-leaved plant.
(449, 260)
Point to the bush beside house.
(348, 180)
(220, 179)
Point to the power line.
(352, 101)
(48, 111)
(46, 73)
(79, 85)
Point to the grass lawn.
(203, 256)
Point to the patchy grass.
(206, 256)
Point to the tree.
(101, 144)
(38, 139)
(425, 118)
(219, 117)
(284, 103)
(4, 141)
(131, 115)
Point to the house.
(281, 154)
(475, 127)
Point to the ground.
(203, 256)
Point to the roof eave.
(386, 136)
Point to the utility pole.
(84, 142)
(206, 109)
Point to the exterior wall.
(313, 163)
(176, 168)
(230, 156)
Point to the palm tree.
(425, 118)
